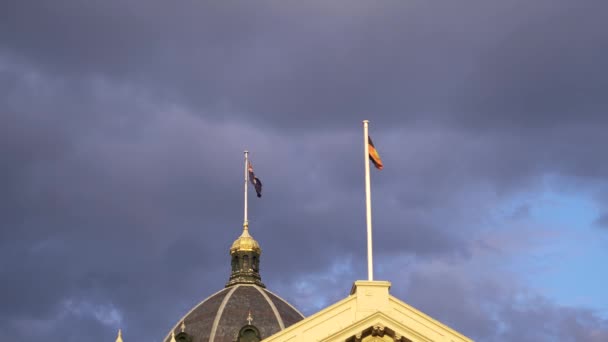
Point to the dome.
(220, 317)
(245, 242)
(244, 307)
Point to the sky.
(123, 125)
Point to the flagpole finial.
(365, 121)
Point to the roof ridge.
(286, 302)
(273, 307)
(191, 310)
(220, 311)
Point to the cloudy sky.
(123, 122)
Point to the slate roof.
(220, 317)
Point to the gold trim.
(245, 242)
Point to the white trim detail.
(223, 305)
(274, 308)
(189, 312)
(286, 302)
(219, 313)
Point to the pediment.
(375, 328)
(369, 314)
(380, 327)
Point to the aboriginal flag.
(373, 154)
(254, 180)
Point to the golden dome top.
(245, 243)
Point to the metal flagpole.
(368, 203)
(245, 222)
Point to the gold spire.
(245, 242)
(119, 337)
(173, 337)
(183, 327)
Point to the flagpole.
(368, 203)
(245, 222)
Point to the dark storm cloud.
(530, 62)
(122, 126)
(80, 205)
(118, 207)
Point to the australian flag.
(254, 180)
